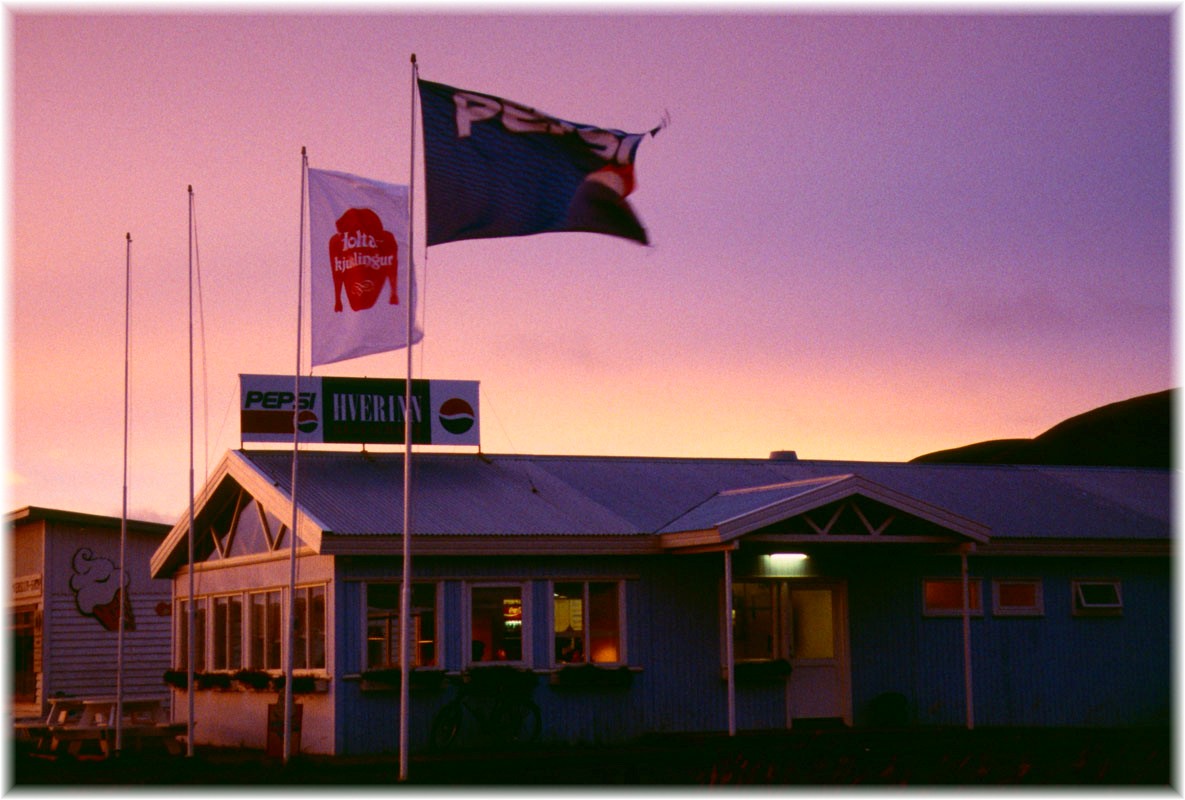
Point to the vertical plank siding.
(1053, 670)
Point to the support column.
(969, 698)
(729, 658)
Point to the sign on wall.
(358, 410)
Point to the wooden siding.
(677, 685)
(79, 655)
(1053, 670)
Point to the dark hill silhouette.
(1131, 433)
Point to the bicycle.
(500, 712)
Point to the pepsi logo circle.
(306, 421)
(456, 416)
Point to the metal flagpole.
(291, 649)
(123, 522)
(405, 585)
(191, 640)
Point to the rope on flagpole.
(405, 584)
(190, 644)
(122, 593)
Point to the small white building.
(64, 606)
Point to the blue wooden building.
(708, 594)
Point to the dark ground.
(907, 757)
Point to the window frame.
(222, 643)
(201, 625)
(270, 639)
(1037, 609)
(779, 591)
(300, 660)
(391, 660)
(525, 656)
(586, 620)
(974, 590)
(1081, 608)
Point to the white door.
(820, 681)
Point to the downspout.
(968, 693)
(729, 659)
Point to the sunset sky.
(873, 235)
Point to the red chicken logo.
(363, 255)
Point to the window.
(1097, 598)
(587, 622)
(228, 632)
(24, 654)
(756, 612)
(943, 597)
(265, 630)
(778, 619)
(382, 625)
(496, 623)
(310, 628)
(199, 637)
(1017, 598)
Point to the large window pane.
(568, 608)
(754, 620)
(265, 630)
(604, 620)
(813, 624)
(382, 625)
(496, 623)
(228, 633)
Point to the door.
(819, 686)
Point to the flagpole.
(190, 614)
(405, 586)
(290, 661)
(123, 521)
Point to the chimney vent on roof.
(783, 455)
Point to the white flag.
(362, 287)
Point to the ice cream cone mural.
(97, 590)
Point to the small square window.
(1017, 598)
(1097, 598)
(943, 597)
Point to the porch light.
(788, 558)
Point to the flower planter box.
(386, 680)
(496, 680)
(590, 676)
(751, 672)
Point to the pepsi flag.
(496, 168)
(361, 290)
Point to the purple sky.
(874, 235)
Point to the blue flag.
(496, 168)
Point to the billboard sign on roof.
(357, 410)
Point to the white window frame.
(225, 645)
(201, 606)
(249, 658)
(1081, 608)
(303, 620)
(525, 632)
(393, 658)
(622, 653)
(974, 589)
(1035, 610)
(783, 646)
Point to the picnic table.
(72, 722)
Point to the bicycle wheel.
(446, 725)
(518, 720)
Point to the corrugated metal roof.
(355, 493)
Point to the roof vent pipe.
(783, 455)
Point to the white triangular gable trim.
(801, 497)
(173, 552)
